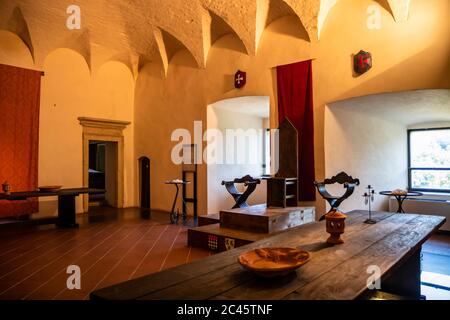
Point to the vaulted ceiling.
(139, 31)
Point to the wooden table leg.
(66, 212)
(405, 280)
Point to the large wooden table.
(66, 202)
(334, 272)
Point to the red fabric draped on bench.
(19, 135)
(295, 101)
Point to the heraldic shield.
(362, 62)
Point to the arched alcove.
(279, 9)
(183, 58)
(220, 28)
(367, 137)
(114, 90)
(14, 51)
(228, 158)
(66, 59)
(229, 42)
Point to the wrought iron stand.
(175, 216)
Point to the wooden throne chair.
(282, 189)
(342, 178)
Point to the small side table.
(174, 216)
(401, 197)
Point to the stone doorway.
(111, 133)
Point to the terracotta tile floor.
(117, 247)
(33, 264)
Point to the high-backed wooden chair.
(342, 178)
(282, 189)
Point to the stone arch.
(307, 11)
(17, 24)
(220, 27)
(120, 59)
(172, 46)
(183, 58)
(279, 9)
(78, 41)
(67, 51)
(131, 61)
(238, 18)
(14, 51)
(287, 26)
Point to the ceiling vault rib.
(161, 49)
(400, 9)
(111, 30)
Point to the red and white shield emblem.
(240, 78)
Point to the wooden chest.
(260, 219)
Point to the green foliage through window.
(429, 159)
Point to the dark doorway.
(96, 171)
(103, 172)
(144, 167)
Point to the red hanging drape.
(19, 135)
(295, 101)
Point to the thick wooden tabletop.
(334, 272)
(61, 192)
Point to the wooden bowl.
(49, 188)
(273, 262)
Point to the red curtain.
(295, 101)
(19, 135)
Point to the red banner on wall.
(295, 101)
(19, 135)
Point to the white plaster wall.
(69, 91)
(367, 138)
(239, 113)
(367, 147)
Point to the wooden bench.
(66, 202)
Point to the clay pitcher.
(335, 223)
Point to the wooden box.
(260, 219)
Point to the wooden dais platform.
(241, 226)
(261, 219)
(209, 219)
